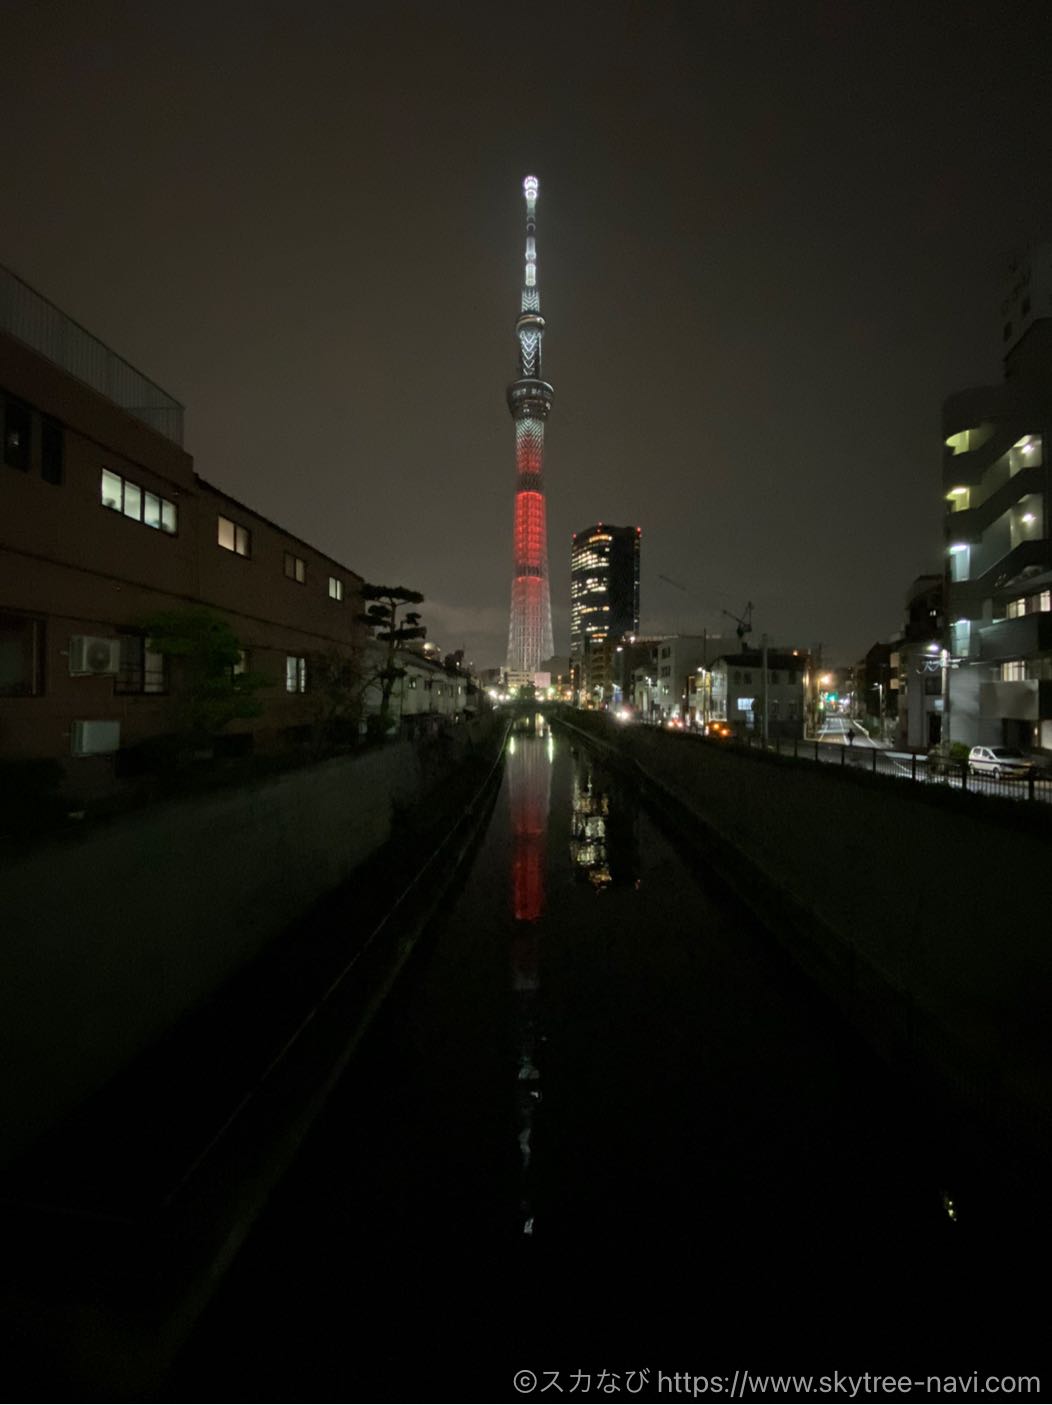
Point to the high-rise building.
(604, 603)
(604, 584)
(530, 403)
(998, 542)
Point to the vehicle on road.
(718, 729)
(998, 761)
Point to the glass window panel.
(226, 533)
(154, 679)
(242, 541)
(151, 509)
(21, 656)
(17, 423)
(169, 516)
(111, 489)
(132, 500)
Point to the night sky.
(771, 239)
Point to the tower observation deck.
(530, 403)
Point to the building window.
(52, 451)
(21, 656)
(142, 669)
(335, 588)
(295, 674)
(17, 431)
(233, 537)
(240, 664)
(1014, 671)
(112, 489)
(128, 498)
(412, 682)
(132, 501)
(295, 567)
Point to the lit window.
(335, 588)
(121, 495)
(1014, 671)
(231, 536)
(132, 501)
(295, 567)
(112, 485)
(295, 674)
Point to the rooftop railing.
(25, 314)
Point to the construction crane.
(744, 622)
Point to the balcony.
(1015, 639)
(30, 318)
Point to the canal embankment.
(123, 1219)
(114, 935)
(923, 916)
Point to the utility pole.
(944, 660)
(763, 644)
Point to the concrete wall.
(929, 923)
(108, 938)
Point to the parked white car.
(998, 761)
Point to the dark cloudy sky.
(771, 238)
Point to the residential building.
(738, 692)
(105, 525)
(679, 658)
(998, 540)
(428, 692)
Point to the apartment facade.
(995, 483)
(739, 692)
(104, 525)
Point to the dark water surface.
(603, 1124)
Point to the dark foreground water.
(603, 1125)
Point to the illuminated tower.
(530, 401)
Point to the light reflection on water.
(528, 778)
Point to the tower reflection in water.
(531, 749)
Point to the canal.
(603, 1124)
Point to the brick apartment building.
(104, 523)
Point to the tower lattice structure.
(530, 403)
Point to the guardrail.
(33, 319)
(903, 765)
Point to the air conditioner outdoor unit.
(89, 654)
(94, 738)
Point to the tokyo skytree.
(530, 402)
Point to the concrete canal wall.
(109, 937)
(928, 922)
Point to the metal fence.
(25, 314)
(907, 766)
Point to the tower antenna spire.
(530, 403)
